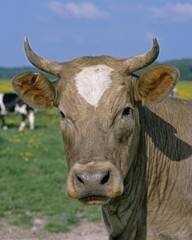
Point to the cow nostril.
(91, 178)
(79, 178)
(105, 179)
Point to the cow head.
(97, 98)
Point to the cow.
(128, 144)
(12, 103)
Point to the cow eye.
(126, 112)
(62, 114)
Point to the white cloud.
(77, 10)
(179, 12)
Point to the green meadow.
(33, 173)
(33, 176)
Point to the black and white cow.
(12, 103)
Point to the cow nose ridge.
(93, 178)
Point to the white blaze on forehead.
(92, 82)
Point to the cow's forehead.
(91, 82)
(92, 87)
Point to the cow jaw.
(94, 183)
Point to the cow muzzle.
(94, 183)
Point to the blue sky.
(61, 30)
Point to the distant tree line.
(184, 65)
(8, 73)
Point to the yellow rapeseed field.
(184, 88)
(5, 86)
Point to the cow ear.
(35, 89)
(156, 83)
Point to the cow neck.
(156, 144)
(125, 214)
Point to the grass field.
(33, 175)
(33, 172)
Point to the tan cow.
(128, 145)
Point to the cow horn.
(137, 62)
(52, 67)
